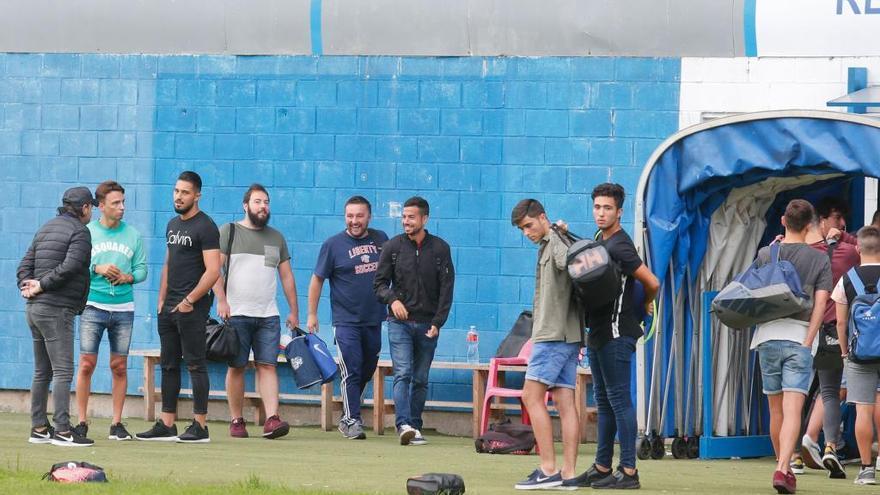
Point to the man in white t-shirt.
(247, 301)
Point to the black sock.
(864, 466)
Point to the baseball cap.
(78, 196)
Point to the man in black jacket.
(54, 278)
(415, 278)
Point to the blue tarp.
(693, 177)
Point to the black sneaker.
(44, 436)
(585, 480)
(618, 480)
(195, 434)
(159, 433)
(118, 432)
(70, 438)
(832, 464)
(539, 481)
(82, 429)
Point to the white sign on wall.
(812, 28)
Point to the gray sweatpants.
(829, 389)
(52, 330)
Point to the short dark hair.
(610, 190)
(254, 188)
(869, 240)
(419, 203)
(526, 208)
(107, 187)
(875, 220)
(828, 204)
(798, 214)
(359, 200)
(191, 177)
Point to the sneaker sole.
(779, 488)
(635, 486)
(541, 486)
(406, 437)
(865, 482)
(417, 443)
(277, 432)
(813, 459)
(835, 470)
(157, 439)
(119, 439)
(39, 441)
(201, 440)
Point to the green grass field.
(309, 461)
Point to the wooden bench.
(251, 399)
(381, 406)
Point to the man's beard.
(257, 221)
(182, 211)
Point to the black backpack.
(506, 438)
(519, 334)
(595, 277)
(435, 484)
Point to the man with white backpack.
(856, 297)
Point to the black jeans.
(182, 335)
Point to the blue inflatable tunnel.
(708, 197)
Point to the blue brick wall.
(472, 135)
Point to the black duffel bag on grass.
(435, 484)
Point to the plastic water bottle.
(473, 345)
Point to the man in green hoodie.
(118, 262)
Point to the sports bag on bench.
(761, 294)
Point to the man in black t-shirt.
(611, 343)
(192, 265)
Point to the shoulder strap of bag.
(228, 254)
(856, 281)
(830, 249)
(774, 252)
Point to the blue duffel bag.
(306, 372)
(322, 357)
(761, 294)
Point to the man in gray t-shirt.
(786, 345)
(257, 257)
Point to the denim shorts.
(554, 364)
(786, 366)
(94, 321)
(263, 335)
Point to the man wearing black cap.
(54, 278)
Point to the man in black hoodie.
(54, 278)
(415, 279)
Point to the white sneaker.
(811, 452)
(406, 433)
(418, 439)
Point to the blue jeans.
(94, 321)
(611, 366)
(411, 356)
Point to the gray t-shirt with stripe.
(253, 268)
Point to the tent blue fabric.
(694, 175)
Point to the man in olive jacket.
(54, 278)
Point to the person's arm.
(447, 285)
(78, 256)
(842, 311)
(138, 263)
(219, 288)
(211, 258)
(25, 270)
(163, 282)
(288, 283)
(820, 299)
(651, 284)
(315, 286)
(384, 274)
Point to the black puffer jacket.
(59, 258)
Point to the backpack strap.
(774, 252)
(856, 281)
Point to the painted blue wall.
(472, 135)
